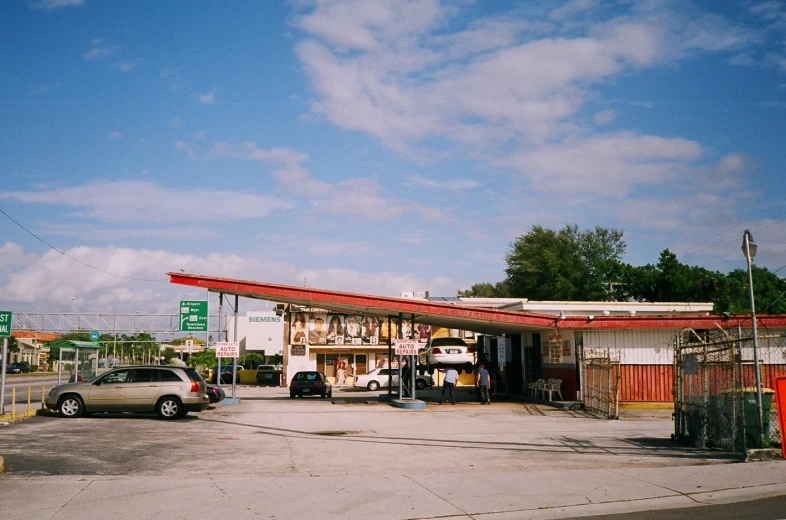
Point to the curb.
(762, 454)
(408, 404)
(646, 406)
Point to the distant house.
(32, 349)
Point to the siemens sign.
(263, 331)
(266, 319)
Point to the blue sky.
(377, 147)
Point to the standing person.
(483, 384)
(451, 376)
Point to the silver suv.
(170, 391)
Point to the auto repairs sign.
(406, 347)
(230, 349)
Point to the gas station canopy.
(455, 316)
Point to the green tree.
(252, 360)
(486, 290)
(769, 291)
(169, 354)
(569, 264)
(671, 281)
(203, 360)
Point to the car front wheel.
(170, 408)
(71, 407)
(420, 384)
(373, 385)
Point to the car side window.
(144, 375)
(384, 372)
(119, 376)
(169, 376)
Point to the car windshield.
(438, 342)
(307, 376)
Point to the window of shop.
(326, 363)
(361, 364)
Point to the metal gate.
(715, 403)
(600, 381)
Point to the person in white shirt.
(451, 376)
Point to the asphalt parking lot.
(350, 457)
(344, 434)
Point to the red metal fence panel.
(646, 383)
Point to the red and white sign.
(406, 347)
(228, 349)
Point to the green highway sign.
(193, 316)
(5, 323)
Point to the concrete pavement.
(349, 457)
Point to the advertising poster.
(423, 333)
(406, 329)
(343, 370)
(370, 330)
(388, 330)
(317, 329)
(352, 330)
(335, 331)
(298, 329)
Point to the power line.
(700, 248)
(76, 259)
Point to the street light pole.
(749, 248)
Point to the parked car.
(215, 393)
(226, 374)
(379, 378)
(310, 383)
(444, 352)
(268, 375)
(17, 368)
(170, 391)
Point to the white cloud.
(114, 135)
(40, 89)
(13, 257)
(361, 197)
(604, 117)
(405, 85)
(607, 164)
(128, 65)
(128, 280)
(141, 201)
(446, 185)
(117, 234)
(358, 24)
(99, 51)
(51, 5)
(208, 98)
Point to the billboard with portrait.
(370, 330)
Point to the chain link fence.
(715, 389)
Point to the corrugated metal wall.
(635, 347)
(646, 383)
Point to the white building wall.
(264, 330)
(634, 347)
(772, 346)
(297, 364)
